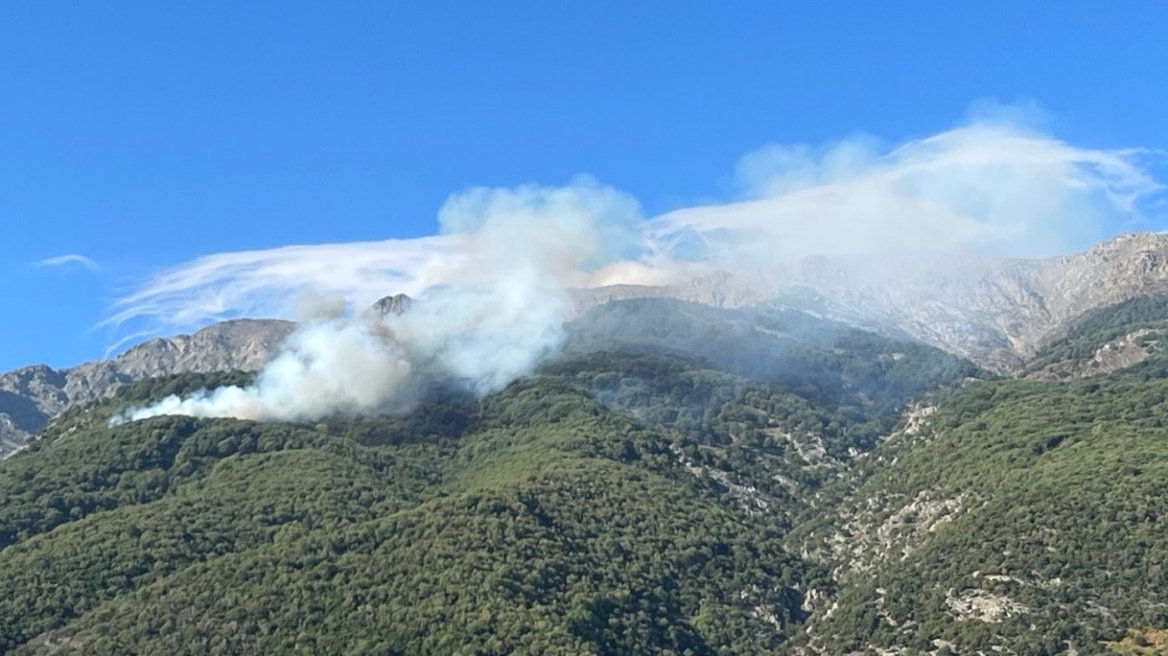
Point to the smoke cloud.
(987, 188)
(325, 368)
(492, 286)
(498, 304)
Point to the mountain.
(683, 479)
(611, 504)
(30, 396)
(1108, 339)
(395, 304)
(1017, 516)
(680, 479)
(997, 312)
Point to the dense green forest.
(699, 481)
(1145, 319)
(534, 521)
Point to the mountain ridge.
(998, 312)
(618, 501)
(995, 311)
(30, 396)
(681, 478)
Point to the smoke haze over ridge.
(492, 285)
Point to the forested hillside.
(1023, 515)
(682, 480)
(535, 521)
(630, 501)
(1109, 339)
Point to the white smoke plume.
(492, 286)
(330, 367)
(498, 305)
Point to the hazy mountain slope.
(787, 347)
(995, 311)
(709, 486)
(826, 362)
(622, 502)
(30, 396)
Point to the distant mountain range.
(997, 312)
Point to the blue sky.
(143, 135)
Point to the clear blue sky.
(142, 134)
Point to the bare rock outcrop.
(30, 396)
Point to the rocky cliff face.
(391, 305)
(30, 396)
(245, 344)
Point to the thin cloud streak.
(70, 258)
(986, 187)
(268, 282)
(983, 188)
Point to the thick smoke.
(492, 286)
(500, 306)
(336, 366)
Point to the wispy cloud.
(990, 188)
(989, 185)
(493, 285)
(273, 282)
(70, 258)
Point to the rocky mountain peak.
(245, 344)
(1130, 242)
(394, 305)
(995, 311)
